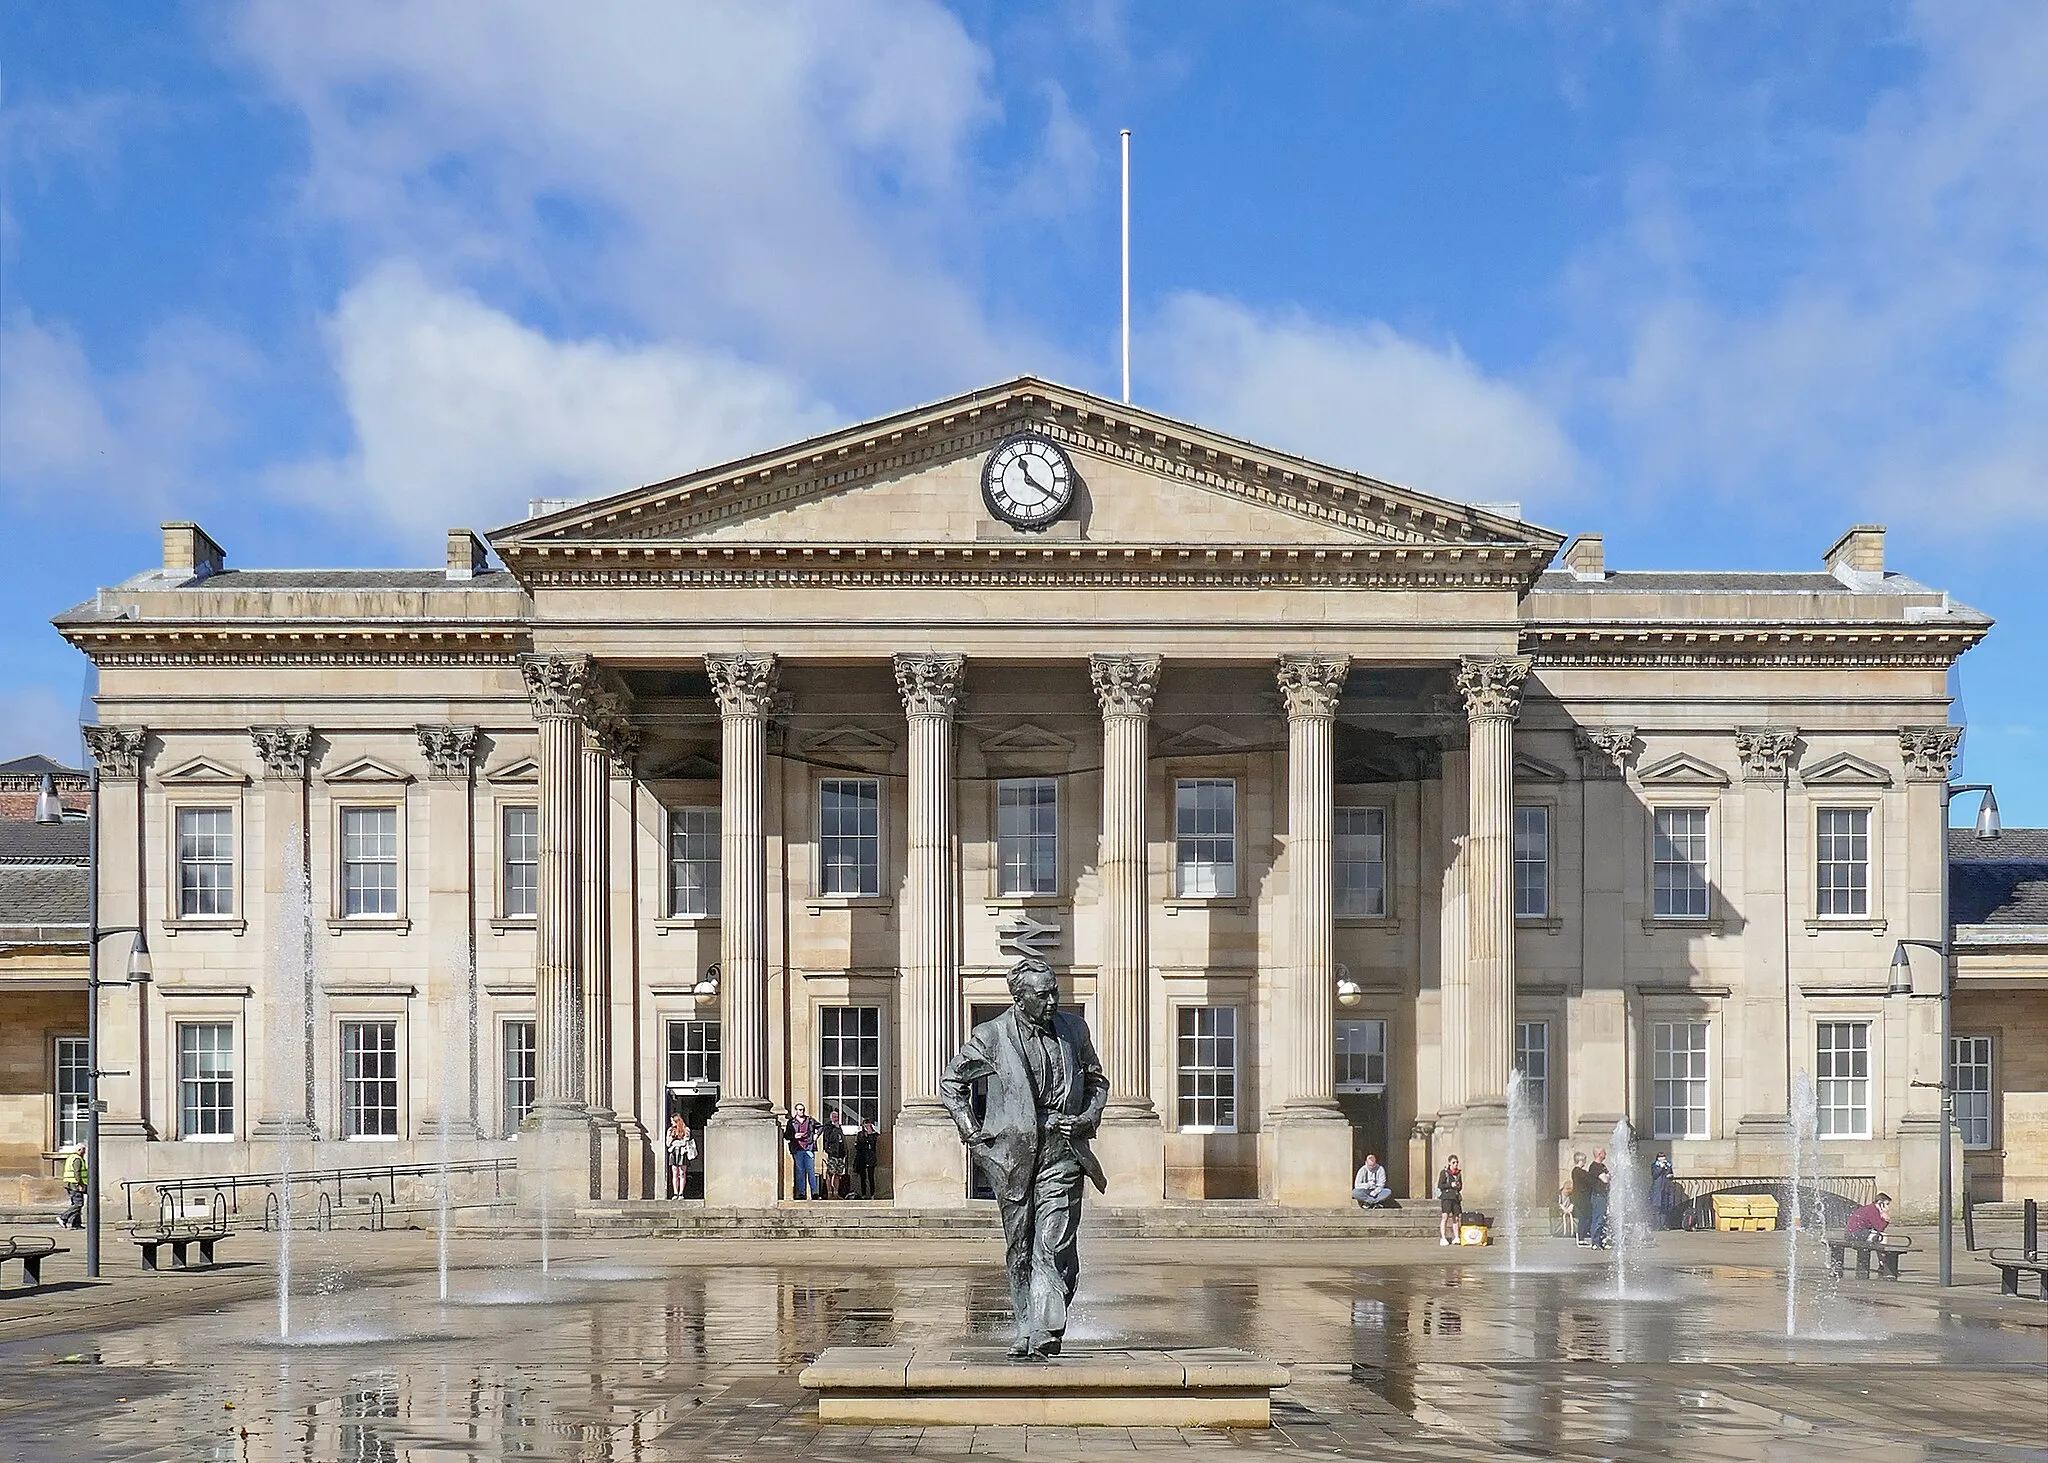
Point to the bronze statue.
(1045, 1093)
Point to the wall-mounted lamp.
(1349, 992)
(708, 986)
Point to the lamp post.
(50, 809)
(1987, 828)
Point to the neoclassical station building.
(1333, 803)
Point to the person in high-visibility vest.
(72, 1173)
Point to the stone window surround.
(1172, 773)
(1547, 797)
(233, 797)
(885, 796)
(1662, 799)
(670, 919)
(344, 1006)
(341, 799)
(1548, 1012)
(521, 797)
(238, 1050)
(1657, 1009)
(1383, 797)
(1063, 878)
(1867, 1011)
(54, 1040)
(501, 1022)
(812, 991)
(1240, 1035)
(1871, 801)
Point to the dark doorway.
(696, 1108)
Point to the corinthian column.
(930, 1164)
(1492, 688)
(594, 853)
(1311, 1148)
(560, 689)
(741, 1166)
(1132, 1143)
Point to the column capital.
(559, 685)
(1311, 684)
(1492, 685)
(117, 750)
(1766, 752)
(930, 684)
(1124, 684)
(1604, 751)
(287, 751)
(1930, 751)
(745, 684)
(450, 750)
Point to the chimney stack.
(1859, 551)
(1586, 557)
(190, 554)
(467, 555)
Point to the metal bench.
(180, 1241)
(2011, 1266)
(31, 1252)
(1889, 1253)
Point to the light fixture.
(139, 968)
(49, 807)
(1902, 971)
(708, 985)
(1349, 992)
(1988, 826)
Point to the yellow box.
(1745, 1213)
(1474, 1234)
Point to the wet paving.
(654, 1350)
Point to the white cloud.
(462, 413)
(1364, 397)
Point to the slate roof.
(1998, 881)
(233, 579)
(25, 842)
(42, 895)
(1709, 582)
(35, 765)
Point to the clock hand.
(1032, 477)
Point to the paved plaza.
(659, 1349)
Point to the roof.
(24, 842)
(234, 579)
(1630, 581)
(36, 765)
(42, 895)
(1998, 881)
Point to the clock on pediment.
(1027, 481)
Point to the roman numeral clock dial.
(1028, 481)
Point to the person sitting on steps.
(1369, 1185)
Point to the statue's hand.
(974, 1139)
(1062, 1123)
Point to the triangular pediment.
(1025, 739)
(204, 772)
(1201, 740)
(366, 769)
(1682, 769)
(1844, 769)
(689, 767)
(1535, 769)
(518, 770)
(905, 491)
(848, 741)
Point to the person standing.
(1665, 1197)
(1450, 1197)
(1599, 1181)
(801, 1134)
(1582, 1201)
(72, 1174)
(864, 1143)
(682, 1152)
(835, 1155)
(1369, 1184)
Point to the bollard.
(2030, 1229)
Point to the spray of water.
(1521, 1158)
(1805, 1166)
(290, 1015)
(1626, 1203)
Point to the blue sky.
(1715, 280)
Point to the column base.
(554, 1160)
(1917, 1183)
(1310, 1156)
(111, 1128)
(634, 1173)
(279, 1130)
(1131, 1147)
(929, 1168)
(1421, 1161)
(743, 1158)
(458, 1129)
(1483, 1153)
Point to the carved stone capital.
(1311, 684)
(559, 685)
(744, 684)
(1124, 684)
(1930, 751)
(1766, 752)
(1492, 685)
(612, 733)
(930, 684)
(287, 751)
(117, 750)
(450, 750)
(1604, 751)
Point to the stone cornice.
(143, 643)
(930, 684)
(1310, 685)
(1702, 646)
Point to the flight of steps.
(853, 1219)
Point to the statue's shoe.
(1021, 1346)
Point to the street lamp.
(1987, 828)
(50, 810)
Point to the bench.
(31, 1252)
(180, 1241)
(2009, 1267)
(1889, 1253)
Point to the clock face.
(1028, 481)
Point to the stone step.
(852, 1220)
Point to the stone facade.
(1332, 802)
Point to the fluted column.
(1132, 1142)
(560, 688)
(741, 1165)
(594, 851)
(1492, 688)
(1310, 686)
(930, 1166)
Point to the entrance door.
(693, 1072)
(1362, 1088)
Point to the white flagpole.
(1127, 266)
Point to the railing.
(1834, 1194)
(221, 1194)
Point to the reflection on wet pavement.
(636, 1353)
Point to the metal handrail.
(224, 1191)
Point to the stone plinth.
(883, 1386)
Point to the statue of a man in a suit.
(1045, 1096)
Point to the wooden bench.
(2010, 1265)
(31, 1252)
(180, 1241)
(1889, 1253)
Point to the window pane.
(206, 1080)
(1361, 1056)
(1027, 836)
(1842, 1078)
(693, 1053)
(206, 861)
(1679, 862)
(1679, 1079)
(850, 1062)
(1532, 1060)
(693, 861)
(850, 835)
(73, 1089)
(369, 861)
(1205, 825)
(1207, 1069)
(1842, 861)
(521, 1069)
(1970, 1076)
(1359, 855)
(369, 1079)
(521, 875)
(1532, 862)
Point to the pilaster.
(1767, 754)
(450, 752)
(290, 910)
(1596, 1060)
(124, 1043)
(1929, 754)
